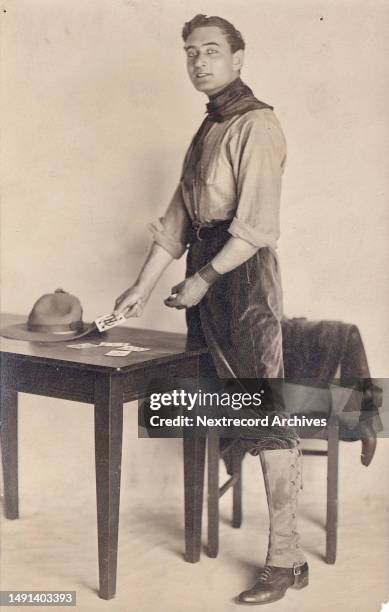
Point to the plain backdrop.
(97, 112)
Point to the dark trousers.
(239, 320)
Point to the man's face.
(210, 62)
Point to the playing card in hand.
(107, 321)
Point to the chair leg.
(213, 494)
(237, 490)
(332, 491)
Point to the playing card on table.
(126, 347)
(82, 345)
(117, 353)
(139, 348)
(113, 344)
(107, 321)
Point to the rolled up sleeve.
(170, 231)
(258, 154)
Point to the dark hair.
(233, 36)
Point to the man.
(226, 207)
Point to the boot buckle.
(297, 569)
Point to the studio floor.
(53, 546)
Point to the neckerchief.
(235, 99)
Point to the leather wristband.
(209, 274)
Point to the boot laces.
(265, 574)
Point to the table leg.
(9, 450)
(108, 455)
(194, 461)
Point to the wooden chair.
(215, 491)
(298, 334)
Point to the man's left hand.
(188, 293)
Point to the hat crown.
(55, 317)
(59, 311)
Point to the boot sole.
(299, 586)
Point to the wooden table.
(54, 370)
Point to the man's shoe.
(273, 583)
(369, 445)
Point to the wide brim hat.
(20, 331)
(55, 317)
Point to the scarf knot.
(235, 99)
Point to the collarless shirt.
(237, 178)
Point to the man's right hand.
(131, 302)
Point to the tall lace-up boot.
(285, 562)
